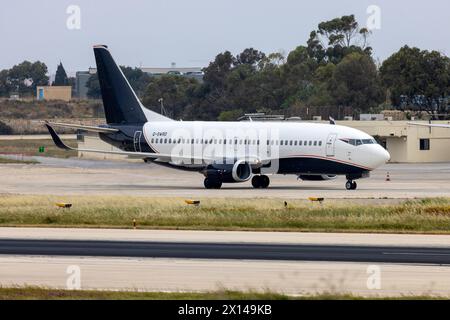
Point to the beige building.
(405, 143)
(54, 93)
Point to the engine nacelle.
(322, 177)
(242, 171)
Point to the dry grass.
(38, 293)
(31, 148)
(16, 161)
(419, 216)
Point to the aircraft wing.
(82, 127)
(139, 155)
(429, 125)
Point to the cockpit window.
(358, 142)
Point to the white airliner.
(226, 152)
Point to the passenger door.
(331, 141)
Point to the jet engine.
(240, 171)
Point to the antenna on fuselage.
(332, 121)
(163, 110)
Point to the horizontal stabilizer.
(82, 127)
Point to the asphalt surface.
(388, 254)
(80, 177)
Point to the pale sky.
(154, 33)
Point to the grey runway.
(247, 251)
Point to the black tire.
(212, 183)
(349, 185)
(218, 185)
(354, 185)
(265, 182)
(207, 183)
(256, 182)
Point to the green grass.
(31, 148)
(37, 293)
(415, 216)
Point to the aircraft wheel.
(349, 185)
(354, 185)
(256, 182)
(207, 183)
(265, 182)
(218, 184)
(212, 183)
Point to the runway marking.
(416, 253)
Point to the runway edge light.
(316, 199)
(193, 202)
(63, 205)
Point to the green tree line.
(335, 68)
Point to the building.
(54, 93)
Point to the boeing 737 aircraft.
(226, 152)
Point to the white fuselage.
(266, 141)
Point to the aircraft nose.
(383, 155)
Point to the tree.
(417, 79)
(216, 72)
(356, 83)
(5, 85)
(298, 73)
(250, 57)
(231, 115)
(26, 76)
(175, 91)
(336, 38)
(61, 76)
(93, 85)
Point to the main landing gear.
(211, 183)
(351, 185)
(260, 182)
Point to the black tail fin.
(121, 104)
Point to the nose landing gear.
(260, 182)
(351, 185)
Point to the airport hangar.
(406, 143)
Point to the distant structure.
(82, 77)
(63, 93)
